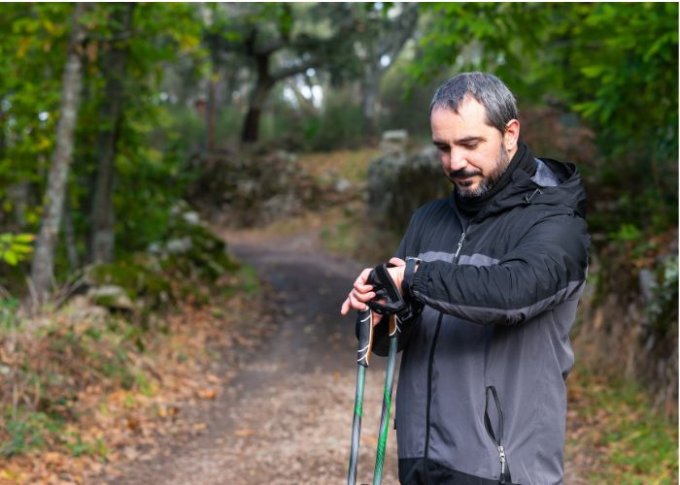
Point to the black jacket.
(483, 368)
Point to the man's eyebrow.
(469, 139)
(460, 141)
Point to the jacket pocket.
(495, 431)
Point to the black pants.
(419, 471)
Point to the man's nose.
(457, 160)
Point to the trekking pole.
(387, 399)
(364, 331)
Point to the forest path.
(286, 417)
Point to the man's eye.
(443, 148)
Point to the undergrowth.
(626, 440)
(79, 381)
(48, 364)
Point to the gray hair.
(487, 89)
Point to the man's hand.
(362, 292)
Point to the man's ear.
(511, 135)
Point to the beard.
(487, 183)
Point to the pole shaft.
(356, 426)
(385, 416)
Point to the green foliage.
(340, 125)
(614, 64)
(32, 54)
(15, 248)
(27, 432)
(77, 447)
(149, 167)
(8, 314)
(405, 104)
(185, 253)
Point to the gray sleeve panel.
(430, 256)
(507, 317)
(477, 260)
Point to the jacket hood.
(563, 187)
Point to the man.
(497, 269)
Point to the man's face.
(473, 154)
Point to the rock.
(342, 185)
(399, 184)
(191, 218)
(647, 284)
(111, 297)
(394, 142)
(253, 187)
(179, 246)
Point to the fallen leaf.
(207, 394)
(133, 423)
(168, 411)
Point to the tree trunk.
(263, 85)
(102, 237)
(19, 193)
(70, 237)
(251, 125)
(42, 269)
(369, 93)
(211, 109)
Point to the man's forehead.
(468, 121)
(468, 109)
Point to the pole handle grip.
(364, 332)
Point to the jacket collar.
(521, 189)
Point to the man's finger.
(363, 276)
(344, 309)
(397, 262)
(357, 301)
(363, 288)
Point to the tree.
(279, 41)
(32, 58)
(113, 67)
(616, 65)
(384, 32)
(42, 269)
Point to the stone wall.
(251, 188)
(398, 183)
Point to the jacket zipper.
(497, 434)
(465, 226)
(501, 455)
(429, 386)
(460, 245)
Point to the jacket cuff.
(410, 271)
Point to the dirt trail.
(286, 418)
